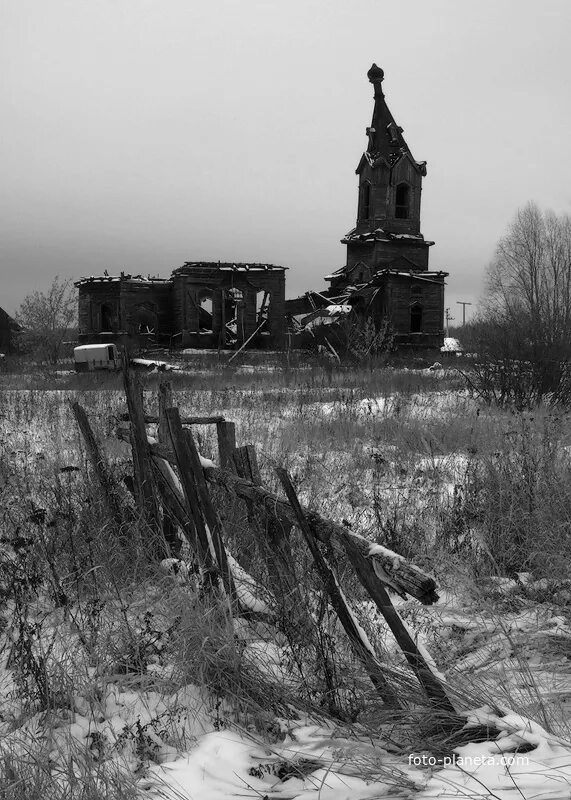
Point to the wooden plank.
(211, 517)
(273, 536)
(369, 579)
(165, 401)
(116, 505)
(169, 520)
(226, 435)
(144, 484)
(277, 550)
(174, 503)
(360, 645)
(206, 520)
(206, 553)
(408, 579)
(153, 419)
(248, 340)
(246, 463)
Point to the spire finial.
(376, 76)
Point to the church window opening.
(263, 309)
(416, 319)
(145, 320)
(402, 201)
(365, 200)
(106, 318)
(233, 307)
(205, 312)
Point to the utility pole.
(463, 304)
(449, 319)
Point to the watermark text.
(468, 762)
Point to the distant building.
(202, 305)
(386, 275)
(212, 304)
(8, 327)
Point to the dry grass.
(405, 457)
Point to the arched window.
(106, 312)
(145, 320)
(416, 319)
(365, 201)
(402, 201)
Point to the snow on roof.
(227, 266)
(339, 271)
(381, 235)
(123, 277)
(213, 265)
(415, 276)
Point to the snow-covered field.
(405, 469)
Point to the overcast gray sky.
(139, 134)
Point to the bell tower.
(387, 231)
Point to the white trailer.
(89, 357)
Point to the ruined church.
(230, 305)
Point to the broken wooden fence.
(184, 498)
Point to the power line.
(449, 319)
(463, 304)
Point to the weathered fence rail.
(170, 475)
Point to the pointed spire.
(385, 136)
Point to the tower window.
(365, 204)
(402, 201)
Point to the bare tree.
(524, 328)
(46, 319)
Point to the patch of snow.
(451, 345)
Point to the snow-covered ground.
(510, 654)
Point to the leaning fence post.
(196, 494)
(277, 552)
(144, 483)
(169, 527)
(99, 464)
(361, 646)
(427, 679)
(165, 401)
(173, 503)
